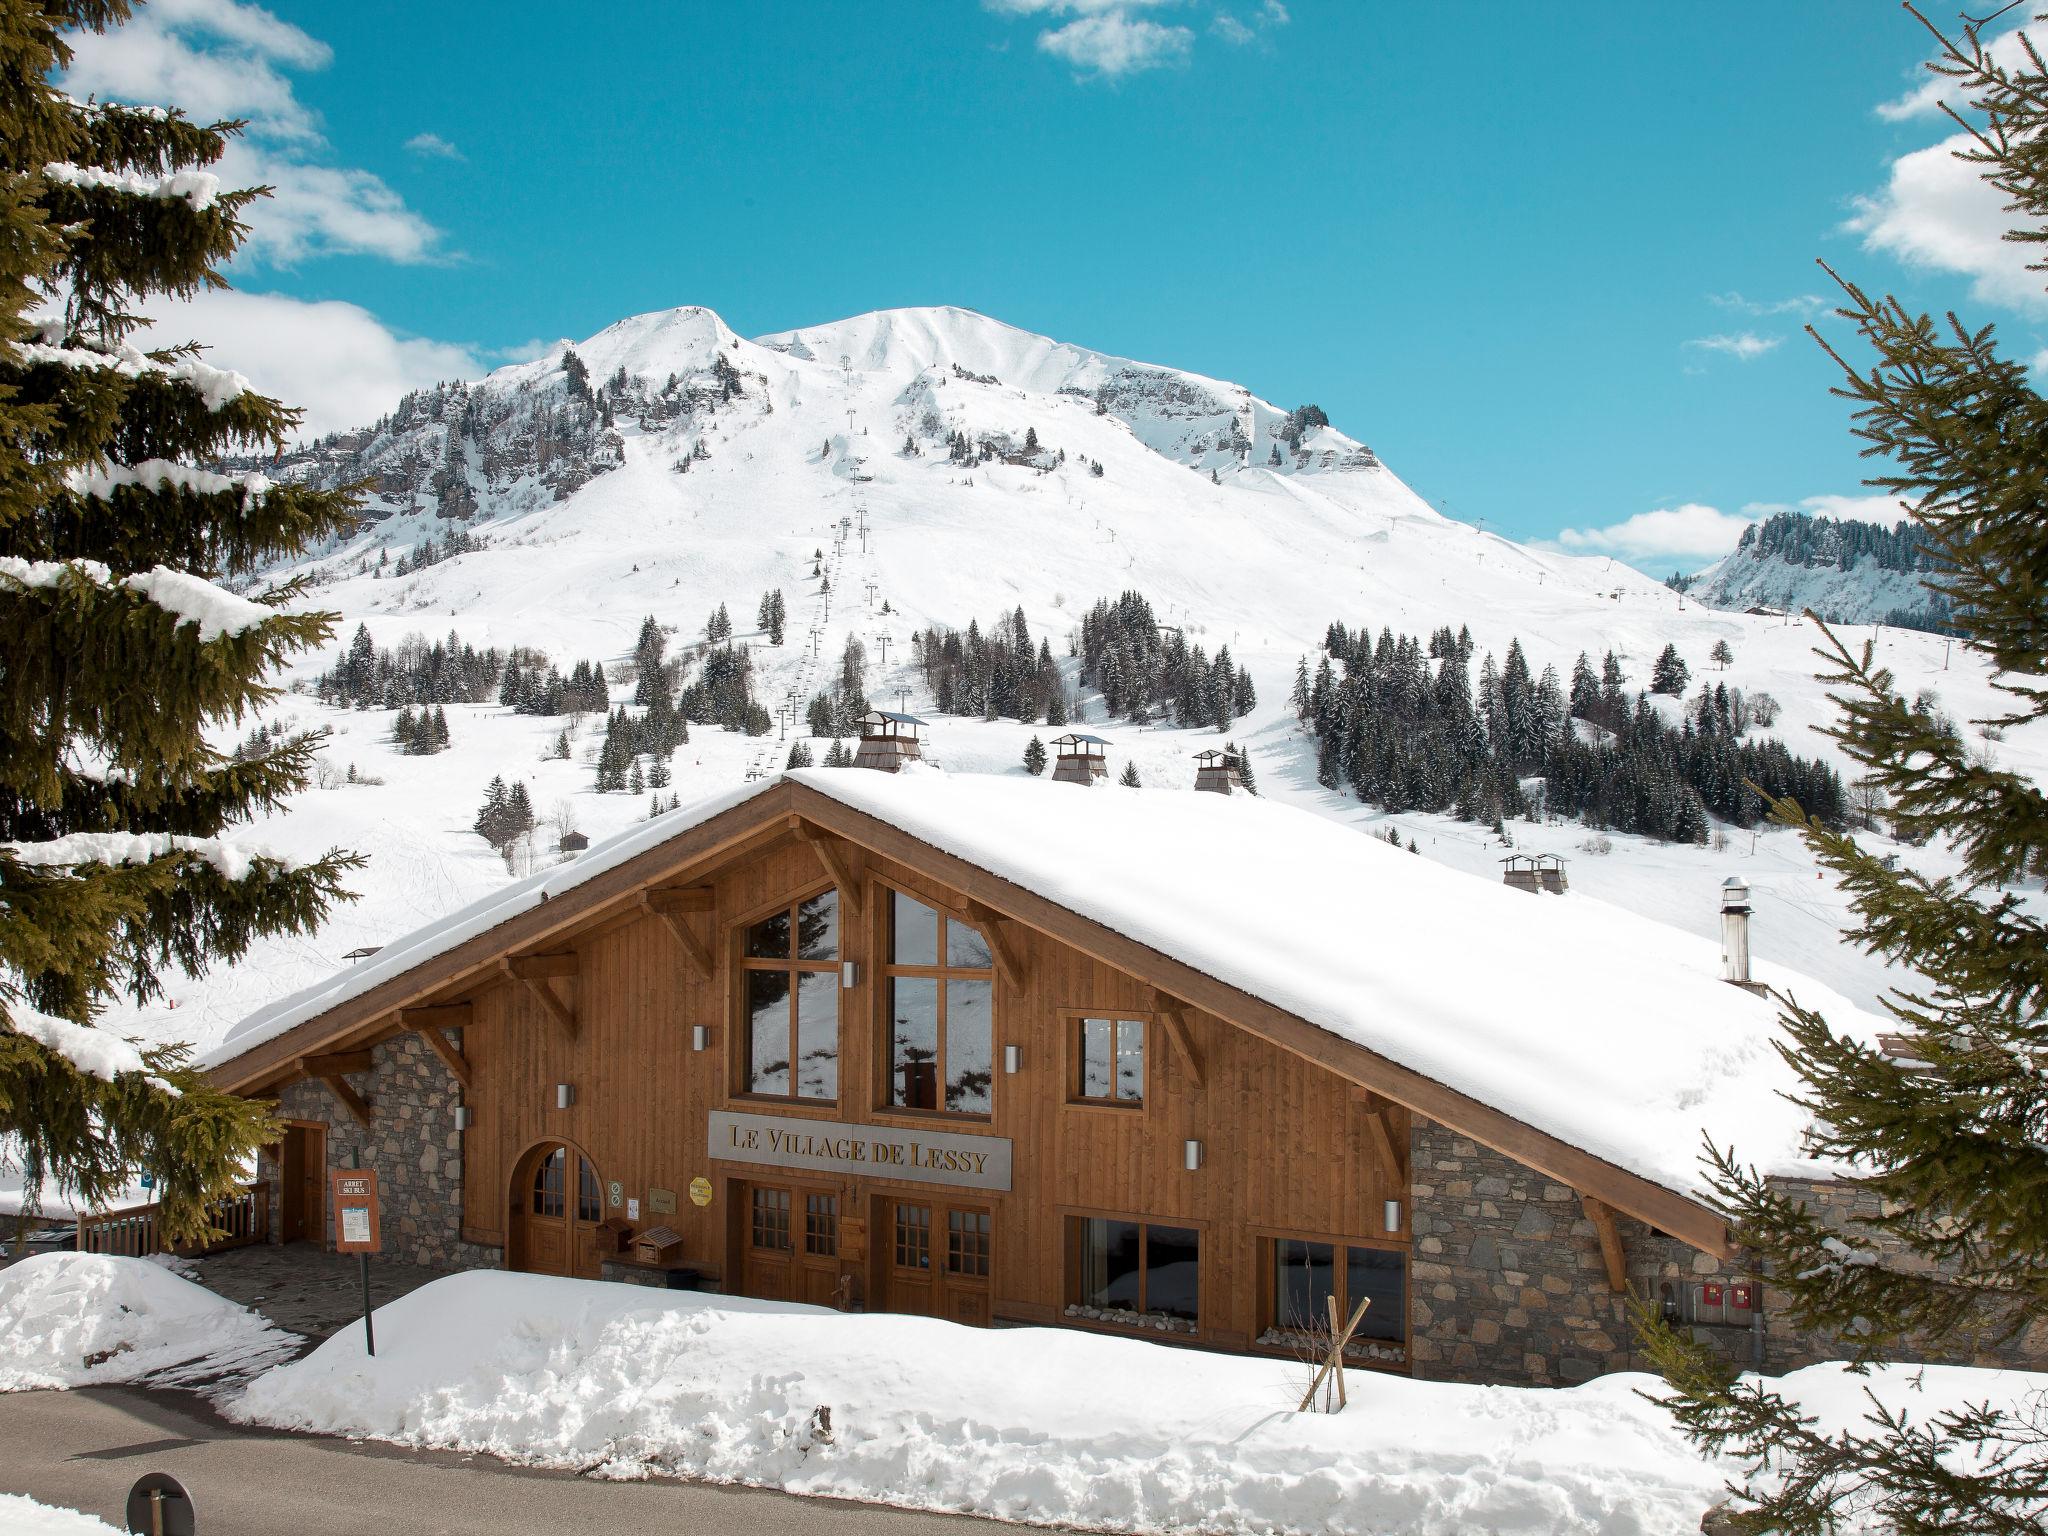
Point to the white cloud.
(337, 361)
(1936, 211)
(1238, 33)
(1691, 532)
(1743, 346)
(221, 59)
(433, 146)
(1933, 91)
(1883, 509)
(1116, 43)
(1799, 304)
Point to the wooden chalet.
(825, 1039)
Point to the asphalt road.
(85, 1448)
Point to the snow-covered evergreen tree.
(119, 646)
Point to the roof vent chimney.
(888, 740)
(1735, 934)
(1079, 758)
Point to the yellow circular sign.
(700, 1191)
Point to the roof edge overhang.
(616, 890)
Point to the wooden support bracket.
(832, 853)
(335, 1063)
(1174, 1013)
(1602, 1216)
(1001, 944)
(351, 1101)
(428, 1024)
(536, 982)
(666, 906)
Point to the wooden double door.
(302, 1183)
(557, 1213)
(937, 1256)
(930, 1257)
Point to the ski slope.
(808, 457)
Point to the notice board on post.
(356, 1225)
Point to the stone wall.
(412, 1144)
(1507, 1283)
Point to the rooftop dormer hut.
(1078, 758)
(888, 740)
(1219, 771)
(1534, 872)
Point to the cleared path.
(85, 1448)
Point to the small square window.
(1111, 1061)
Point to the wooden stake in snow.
(1333, 1363)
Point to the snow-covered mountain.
(1845, 570)
(935, 466)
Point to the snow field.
(1050, 1425)
(78, 1320)
(23, 1516)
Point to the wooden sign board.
(661, 1202)
(356, 1225)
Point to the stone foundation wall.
(412, 1144)
(1507, 1283)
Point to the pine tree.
(1721, 655)
(490, 822)
(1298, 697)
(799, 755)
(118, 647)
(1129, 778)
(1034, 756)
(1949, 1148)
(1670, 674)
(519, 818)
(836, 755)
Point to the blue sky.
(1550, 261)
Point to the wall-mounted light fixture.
(462, 1117)
(849, 973)
(565, 1095)
(1390, 1216)
(1013, 1058)
(700, 1037)
(1194, 1155)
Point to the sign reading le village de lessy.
(881, 1151)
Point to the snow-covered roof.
(1600, 1028)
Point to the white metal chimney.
(1735, 931)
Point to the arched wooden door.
(557, 1211)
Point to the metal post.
(355, 1160)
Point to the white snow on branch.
(198, 188)
(93, 1051)
(155, 474)
(187, 598)
(234, 860)
(216, 386)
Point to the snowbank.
(22, 1516)
(80, 1319)
(1047, 1425)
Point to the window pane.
(1304, 1276)
(1130, 1059)
(821, 1225)
(914, 1042)
(771, 1219)
(1095, 1063)
(768, 1032)
(1382, 1275)
(589, 1199)
(914, 929)
(817, 1035)
(913, 1237)
(967, 1243)
(817, 928)
(966, 947)
(1109, 1264)
(1173, 1271)
(969, 1063)
(769, 938)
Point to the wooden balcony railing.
(132, 1232)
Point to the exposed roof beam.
(536, 967)
(350, 1100)
(832, 853)
(685, 898)
(428, 1024)
(335, 1063)
(538, 988)
(1611, 1251)
(1174, 1014)
(694, 949)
